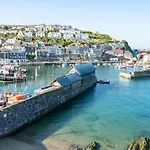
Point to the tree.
(22, 29)
(5, 27)
(30, 56)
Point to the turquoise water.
(111, 116)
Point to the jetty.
(37, 63)
(135, 74)
(23, 112)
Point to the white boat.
(121, 66)
(64, 65)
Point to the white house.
(54, 35)
(11, 43)
(78, 36)
(40, 34)
(68, 36)
(8, 46)
(1, 41)
(59, 51)
(20, 34)
(146, 58)
(14, 31)
(42, 29)
(51, 27)
(84, 36)
(29, 29)
(29, 34)
(4, 32)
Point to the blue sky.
(129, 19)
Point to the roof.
(63, 81)
(74, 78)
(84, 68)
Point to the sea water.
(111, 116)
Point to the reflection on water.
(111, 116)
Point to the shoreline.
(50, 143)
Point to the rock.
(141, 144)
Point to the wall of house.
(18, 115)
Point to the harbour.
(104, 114)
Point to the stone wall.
(16, 116)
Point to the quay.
(19, 114)
(135, 74)
(69, 63)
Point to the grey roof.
(84, 68)
(74, 78)
(68, 80)
(63, 81)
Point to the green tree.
(30, 56)
(5, 27)
(22, 29)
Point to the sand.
(48, 144)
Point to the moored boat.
(103, 82)
(9, 98)
(12, 78)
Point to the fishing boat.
(9, 98)
(103, 82)
(12, 78)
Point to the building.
(16, 55)
(59, 51)
(29, 34)
(3, 52)
(11, 44)
(40, 34)
(68, 36)
(76, 76)
(146, 58)
(56, 35)
(42, 54)
(83, 70)
(118, 52)
(28, 39)
(20, 34)
(30, 50)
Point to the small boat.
(103, 82)
(12, 78)
(9, 98)
(64, 65)
(23, 70)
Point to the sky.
(123, 20)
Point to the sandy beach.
(13, 143)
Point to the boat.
(23, 70)
(64, 65)
(12, 78)
(103, 82)
(9, 98)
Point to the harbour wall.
(135, 74)
(18, 115)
